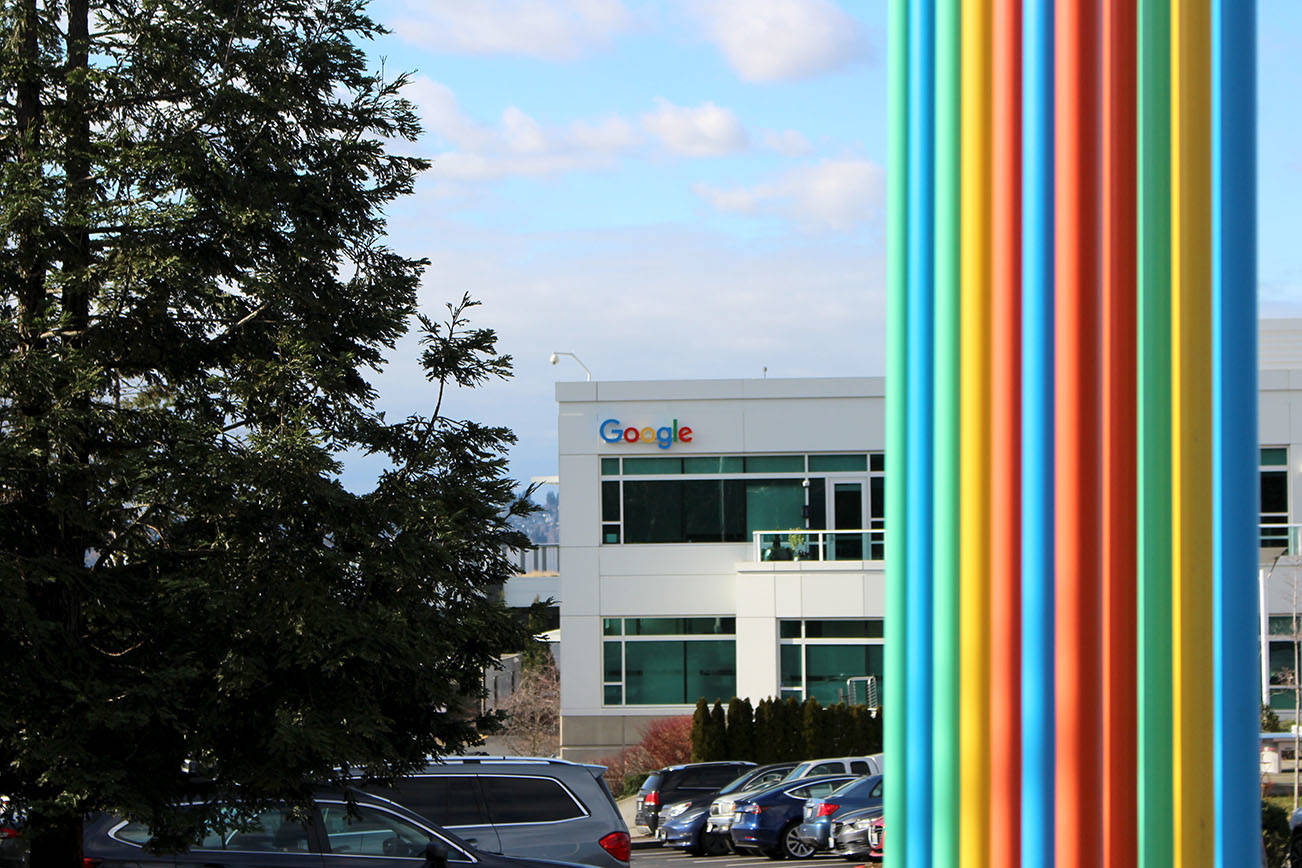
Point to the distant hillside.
(543, 527)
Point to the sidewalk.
(639, 839)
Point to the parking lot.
(659, 857)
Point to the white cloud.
(464, 149)
(547, 29)
(788, 143)
(704, 131)
(779, 40)
(832, 194)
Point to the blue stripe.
(918, 759)
(1237, 677)
(1037, 436)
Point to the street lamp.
(556, 357)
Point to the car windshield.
(747, 778)
(797, 772)
(651, 783)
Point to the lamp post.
(556, 357)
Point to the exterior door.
(847, 515)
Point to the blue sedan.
(767, 821)
(815, 831)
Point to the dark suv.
(676, 783)
(520, 806)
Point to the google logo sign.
(613, 431)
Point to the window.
(724, 499)
(369, 831)
(1274, 496)
(641, 665)
(275, 831)
(449, 800)
(829, 659)
(528, 800)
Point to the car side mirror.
(436, 855)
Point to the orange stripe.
(1078, 601)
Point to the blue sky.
(685, 189)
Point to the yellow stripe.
(1191, 435)
(974, 422)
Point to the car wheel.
(792, 846)
(697, 847)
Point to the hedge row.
(779, 730)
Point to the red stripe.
(1006, 438)
(1120, 750)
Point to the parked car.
(767, 821)
(682, 824)
(850, 832)
(676, 783)
(13, 843)
(369, 833)
(520, 806)
(857, 765)
(818, 813)
(721, 809)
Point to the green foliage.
(785, 729)
(716, 735)
(741, 729)
(631, 783)
(194, 294)
(700, 722)
(1270, 720)
(1274, 833)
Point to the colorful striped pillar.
(1072, 305)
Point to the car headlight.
(676, 808)
(860, 825)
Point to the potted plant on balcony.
(799, 544)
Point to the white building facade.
(726, 537)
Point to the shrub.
(666, 742)
(1274, 833)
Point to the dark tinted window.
(528, 800)
(449, 800)
(716, 776)
(826, 769)
(859, 767)
(651, 783)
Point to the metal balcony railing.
(861, 544)
(1281, 539)
(539, 559)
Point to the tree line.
(777, 730)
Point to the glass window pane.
(449, 800)
(610, 467)
(610, 534)
(703, 510)
(774, 504)
(828, 666)
(653, 673)
(711, 670)
(1281, 664)
(274, 830)
(790, 665)
(834, 463)
(653, 512)
(775, 464)
(610, 501)
(877, 497)
(1274, 491)
(1275, 456)
(1282, 625)
(612, 694)
(613, 668)
(877, 461)
(528, 800)
(789, 629)
(858, 629)
(652, 466)
(703, 465)
(611, 626)
(371, 832)
(681, 626)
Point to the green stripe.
(1156, 814)
(945, 820)
(897, 287)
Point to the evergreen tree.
(790, 730)
(195, 293)
(716, 735)
(813, 726)
(764, 742)
(741, 730)
(700, 724)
